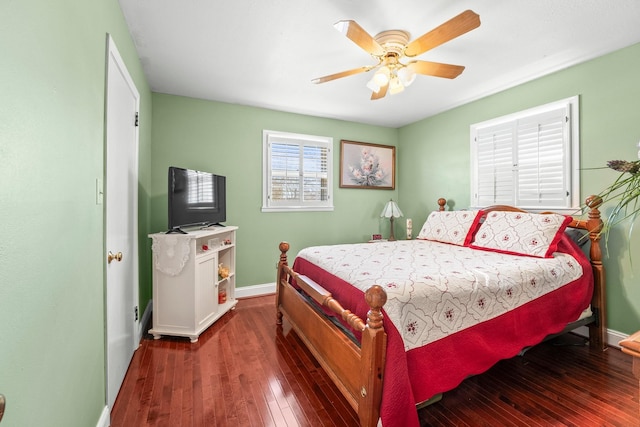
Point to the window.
(297, 172)
(528, 159)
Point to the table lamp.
(391, 211)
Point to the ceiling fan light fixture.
(381, 77)
(395, 86)
(406, 75)
(391, 47)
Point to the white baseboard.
(105, 418)
(612, 337)
(256, 290)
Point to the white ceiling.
(265, 53)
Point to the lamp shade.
(391, 210)
(373, 86)
(395, 86)
(381, 77)
(406, 75)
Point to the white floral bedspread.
(437, 289)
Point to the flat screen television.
(195, 199)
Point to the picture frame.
(366, 165)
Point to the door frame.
(114, 54)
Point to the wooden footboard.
(357, 371)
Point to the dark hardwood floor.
(246, 371)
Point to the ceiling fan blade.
(359, 36)
(437, 69)
(457, 26)
(381, 93)
(341, 74)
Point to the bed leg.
(281, 275)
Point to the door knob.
(111, 257)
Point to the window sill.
(297, 208)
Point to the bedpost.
(284, 248)
(441, 203)
(374, 350)
(597, 330)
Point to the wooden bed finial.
(593, 201)
(441, 203)
(284, 248)
(376, 297)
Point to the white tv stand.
(187, 291)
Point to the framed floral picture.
(364, 165)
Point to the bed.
(368, 314)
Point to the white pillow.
(521, 233)
(455, 227)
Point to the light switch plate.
(99, 191)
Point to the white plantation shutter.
(315, 173)
(297, 172)
(495, 165)
(542, 159)
(527, 159)
(285, 171)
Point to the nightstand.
(631, 346)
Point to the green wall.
(226, 139)
(434, 155)
(52, 85)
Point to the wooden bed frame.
(358, 371)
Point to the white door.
(121, 198)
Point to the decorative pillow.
(455, 227)
(521, 233)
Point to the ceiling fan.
(391, 49)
